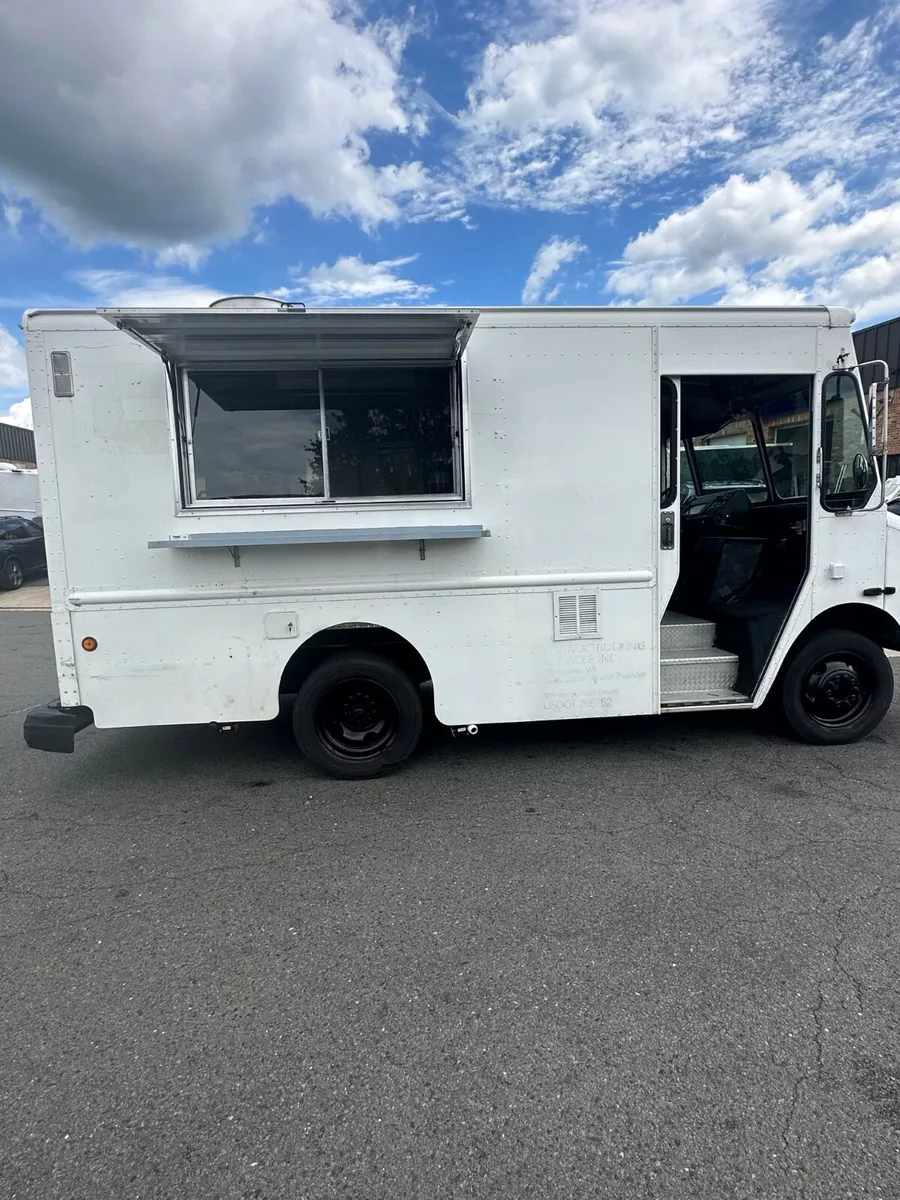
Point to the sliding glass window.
(341, 434)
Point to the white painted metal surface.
(19, 494)
(560, 441)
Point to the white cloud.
(836, 108)
(19, 414)
(182, 254)
(771, 240)
(619, 93)
(873, 287)
(137, 289)
(611, 96)
(12, 362)
(165, 123)
(351, 279)
(877, 276)
(653, 56)
(756, 293)
(12, 215)
(553, 255)
(708, 246)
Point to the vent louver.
(576, 615)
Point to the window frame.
(459, 430)
(668, 498)
(846, 505)
(775, 497)
(754, 417)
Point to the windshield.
(730, 458)
(750, 432)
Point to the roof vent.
(245, 302)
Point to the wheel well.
(871, 622)
(374, 638)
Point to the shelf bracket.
(235, 552)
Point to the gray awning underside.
(206, 337)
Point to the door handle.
(667, 531)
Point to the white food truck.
(520, 514)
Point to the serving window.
(343, 434)
(275, 404)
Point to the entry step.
(703, 669)
(678, 631)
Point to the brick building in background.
(883, 341)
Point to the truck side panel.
(491, 656)
(555, 416)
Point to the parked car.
(21, 551)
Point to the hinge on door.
(667, 532)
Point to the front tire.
(12, 576)
(837, 687)
(357, 715)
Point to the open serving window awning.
(223, 336)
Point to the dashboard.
(726, 506)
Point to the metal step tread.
(696, 656)
(689, 671)
(713, 696)
(670, 617)
(678, 629)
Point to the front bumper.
(52, 727)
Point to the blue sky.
(543, 151)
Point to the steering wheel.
(860, 471)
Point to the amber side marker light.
(89, 643)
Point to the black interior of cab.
(746, 467)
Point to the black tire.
(837, 687)
(12, 576)
(357, 715)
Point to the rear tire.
(357, 715)
(837, 687)
(12, 576)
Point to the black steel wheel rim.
(357, 719)
(838, 689)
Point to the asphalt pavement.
(642, 958)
